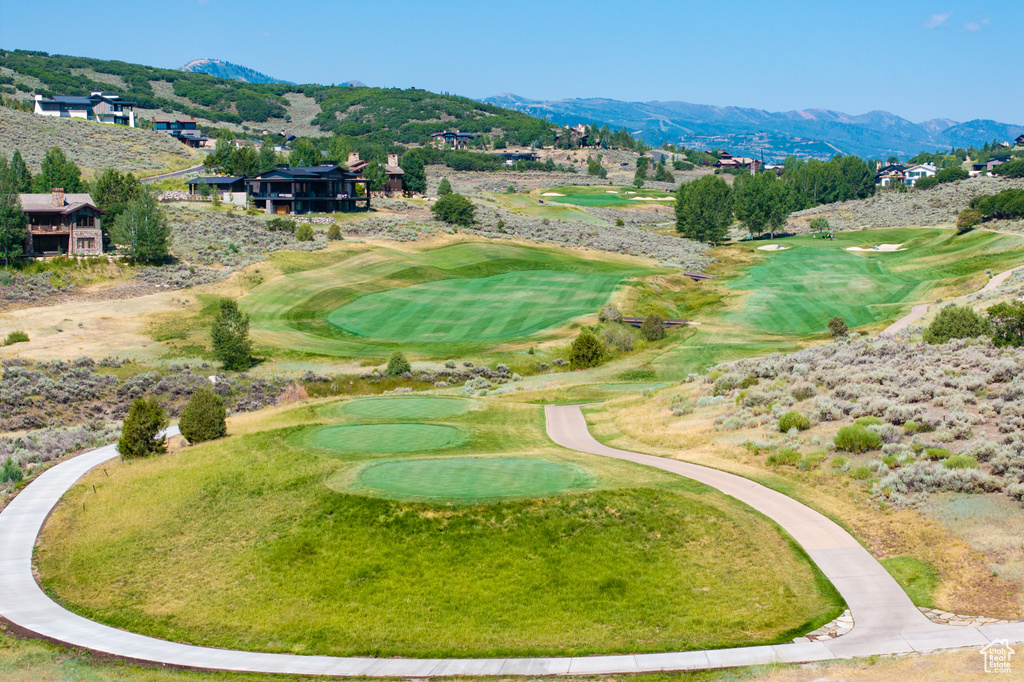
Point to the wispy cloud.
(974, 26)
(936, 20)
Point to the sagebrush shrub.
(794, 420)
(204, 417)
(857, 438)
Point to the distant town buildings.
(97, 106)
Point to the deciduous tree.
(762, 202)
(704, 209)
(142, 229)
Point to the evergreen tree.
(305, 154)
(374, 172)
(146, 418)
(230, 336)
(204, 417)
(444, 187)
(267, 158)
(415, 177)
(585, 351)
(956, 322)
(398, 365)
(837, 327)
(142, 228)
(57, 170)
(454, 209)
(243, 161)
(13, 222)
(653, 328)
(21, 174)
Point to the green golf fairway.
(367, 438)
(468, 479)
(601, 196)
(416, 408)
(495, 308)
(797, 291)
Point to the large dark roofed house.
(62, 223)
(184, 130)
(456, 139)
(219, 183)
(313, 189)
(96, 107)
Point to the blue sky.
(917, 59)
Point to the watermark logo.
(997, 656)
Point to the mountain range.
(808, 133)
(221, 69)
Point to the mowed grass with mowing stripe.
(377, 438)
(496, 308)
(606, 196)
(468, 479)
(411, 407)
(436, 302)
(797, 291)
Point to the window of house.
(85, 244)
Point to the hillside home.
(512, 157)
(217, 183)
(983, 167)
(914, 173)
(185, 131)
(97, 106)
(889, 174)
(455, 139)
(727, 160)
(61, 223)
(313, 189)
(395, 174)
(1019, 141)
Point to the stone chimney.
(57, 197)
(392, 159)
(353, 157)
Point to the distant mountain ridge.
(810, 132)
(222, 69)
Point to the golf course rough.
(496, 308)
(378, 438)
(416, 408)
(467, 479)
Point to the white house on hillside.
(96, 107)
(915, 173)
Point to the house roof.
(456, 133)
(304, 173)
(393, 170)
(43, 203)
(216, 180)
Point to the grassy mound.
(252, 542)
(468, 479)
(496, 308)
(797, 291)
(413, 407)
(440, 302)
(377, 438)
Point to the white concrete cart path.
(886, 621)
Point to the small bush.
(15, 337)
(609, 313)
(960, 462)
(304, 233)
(586, 351)
(868, 421)
(956, 322)
(203, 417)
(397, 365)
(653, 328)
(146, 418)
(820, 225)
(968, 219)
(10, 471)
(838, 462)
(334, 233)
(857, 438)
(936, 453)
(911, 427)
(861, 473)
(838, 328)
(681, 405)
(783, 456)
(793, 420)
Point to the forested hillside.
(376, 115)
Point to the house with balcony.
(914, 173)
(61, 223)
(312, 189)
(100, 107)
(184, 130)
(455, 139)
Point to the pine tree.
(585, 351)
(444, 187)
(13, 222)
(142, 228)
(57, 170)
(203, 417)
(146, 418)
(21, 174)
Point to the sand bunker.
(610, 191)
(552, 194)
(878, 247)
(773, 247)
(653, 199)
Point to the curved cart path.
(918, 311)
(886, 621)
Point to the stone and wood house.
(313, 189)
(60, 223)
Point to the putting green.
(376, 438)
(499, 307)
(416, 408)
(469, 479)
(609, 196)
